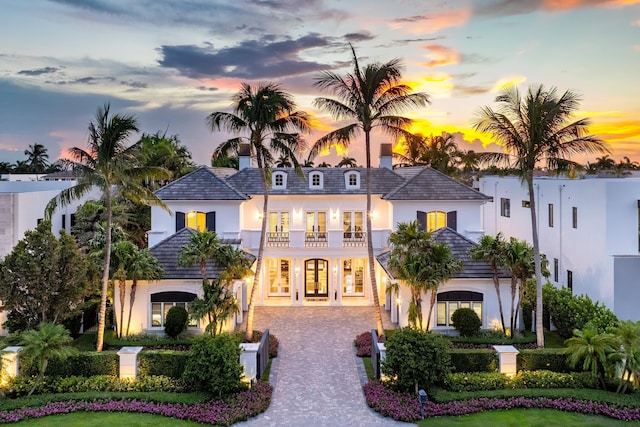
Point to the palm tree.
(203, 247)
(268, 115)
(324, 165)
(37, 158)
(593, 350)
(347, 162)
(283, 162)
(143, 266)
(121, 252)
(109, 165)
(371, 98)
(628, 333)
(518, 259)
(439, 152)
(48, 342)
(491, 249)
(536, 130)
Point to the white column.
(10, 364)
(507, 359)
(249, 360)
(129, 362)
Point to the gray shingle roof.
(429, 184)
(460, 247)
(167, 253)
(201, 184)
(247, 181)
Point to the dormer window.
(279, 180)
(316, 180)
(352, 180)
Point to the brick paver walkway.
(317, 376)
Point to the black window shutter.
(452, 220)
(422, 220)
(180, 224)
(211, 221)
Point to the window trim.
(279, 174)
(505, 207)
(320, 184)
(347, 180)
(550, 212)
(574, 216)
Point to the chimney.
(386, 153)
(244, 156)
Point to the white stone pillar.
(507, 359)
(129, 362)
(249, 360)
(10, 363)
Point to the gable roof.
(201, 184)
(167, 253)
(460, 247)
(425, 183)
(383, 180)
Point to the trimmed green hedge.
(168, 363)
(85, 364)
(474, 360)
(484, 381)
(550, 359)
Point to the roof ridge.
(181, 231)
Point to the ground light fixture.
(422, 396)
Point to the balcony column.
(339, 280)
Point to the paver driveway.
(316, 375)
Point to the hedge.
(484, 381)
(168, 363)
(474, 360)
(550, 359)
(85, 364)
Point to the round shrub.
(213, 365)
(466, 322)
(176, 322)
(416, 359)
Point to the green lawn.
(106, 419)
(525, 418)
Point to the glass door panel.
(316, 278)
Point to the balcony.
(278, 239)
(315, 238)
(354, 239)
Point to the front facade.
(588, 228)
(315, 241)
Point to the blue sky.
(171, 62)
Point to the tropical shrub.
(476, 381)
(594, 352)
(466, 322)
(213, 365)
(416, 359)
(176, 322)
(474, 360)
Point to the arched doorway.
(316, 275)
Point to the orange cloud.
(562, 5)
(437, 85)
(508, 82)
(432, 23)
(441, 55)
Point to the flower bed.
(238, 407)
(405, 407)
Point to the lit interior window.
(196, 220)
(436, 220)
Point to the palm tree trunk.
(256, 281)
(372, 266)
(536, 260)
(105, 274)
(132, 298)
(418, 301)
(122, 287)
(432, 302)
(514, 284)
(519, 304)
(496, 284)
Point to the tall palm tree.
(142, 266)
(48, 342)
(121, 252)
(370, 98)
(267, 115)
(203, 247)
(37, 158)
(491, 249)
(536, 129)
(518, 259)
(109, 165)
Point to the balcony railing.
(278, 238)
(315, 238)
(354, 238)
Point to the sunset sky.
(172, 62)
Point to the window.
(352, 180)
(555, 270)
(279, 180)
(353, 224)
(279, 271)
(162, 302)
(279, 222)
(316, 227)
(196, 220)
(449, 302)
(436, 220)
(64, 222)
(550, 214)
(315, 180)
(353, 276)
(574, 217)
(505, 207)
(570, 280)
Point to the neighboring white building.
(316, 252)
(589, 229)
